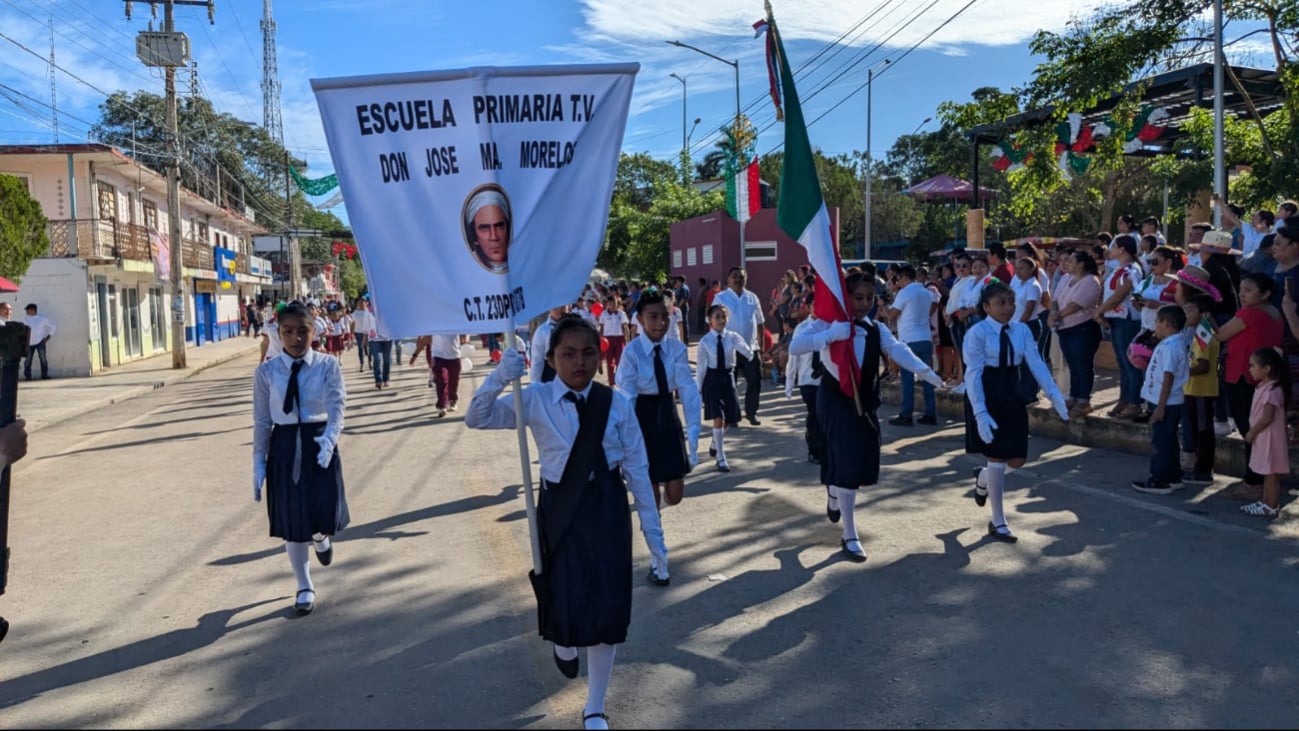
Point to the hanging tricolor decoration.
(1074, 141)
(773, 65)
(743, 186)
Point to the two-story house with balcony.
(105, 279)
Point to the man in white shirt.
(912, 307)
(747, 321)
(42, 329)
(1260, 225)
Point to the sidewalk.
(43, 403)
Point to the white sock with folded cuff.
(299, 559)
(995, 474)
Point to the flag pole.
(512, 338)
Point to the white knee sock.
(847, 504)
(995, 475)
(298, 559)
(718, 435)
(565, 653)
(322, 542)
(599, 669)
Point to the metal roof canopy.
(1175, 91)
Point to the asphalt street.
(145, 592)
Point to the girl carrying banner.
(852, 449)
(653, 367)
(298, 403)
(586, 434)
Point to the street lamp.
(911, 178)
(870, 77)
(735, 65)
(683, 108)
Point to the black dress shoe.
(654, 579)
(901, 420)
(997, 535)
(833, 514)
(4, 628)
(304, 606)
(928, 420)
(567, 667)
(858, 556)
(753, 420)
(712, 451)
(326, 557)
(980, 498)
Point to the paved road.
(145, 592)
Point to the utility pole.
(1219, 164)
(170, 50)
(866, 230)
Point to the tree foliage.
(223, 158)
(352, 277)
(23, 234)
(648, 197)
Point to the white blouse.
(816, 337)
(635, 374)
(706, 352)
(554, 423)
(322, 396)
(982, 349)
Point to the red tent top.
(945, 187)
(7, 286)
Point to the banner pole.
(512, 339)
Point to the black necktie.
(291, 392)
(721, 353)
(1007, 356)
(660, 373)
(579, 402)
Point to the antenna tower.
(270, 78)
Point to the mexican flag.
(801, 212)
(743, 194)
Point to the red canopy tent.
(947, 188)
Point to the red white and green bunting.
(1074, 141)
(743, 191)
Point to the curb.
(1089, 431)
(107, 401)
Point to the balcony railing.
(197, 254)
(104, 240)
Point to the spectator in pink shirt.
(1072, 311)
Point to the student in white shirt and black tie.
(852, 432)
(716, 356)
(653, 367)
(748, 321)
(298, 403)
(804, 371)
(997, 397)
(589, 441)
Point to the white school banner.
(478, 197)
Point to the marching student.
(852, 450)
(996, 398)
(586, 434)
(541, 370)
(298, 403)
(676, 325)
(444, 351)
(805, 372)
(715, 373)
(653, 367)
(614, 327)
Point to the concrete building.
(708, 246)
(104, 281)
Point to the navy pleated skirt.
(584, 591)
(852, 441)
(720, 398)
(314, 502)
(1006, 407)
(665, 442)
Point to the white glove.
(660, 554)
(326, 451)
(932, 379)
(692, 444)
(837, 331)
(986, 426)
(1057, 400)
(510, 368)
(789, 388)
(259, 477)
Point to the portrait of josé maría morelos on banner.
(488, 226)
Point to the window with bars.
(707, 253)
(690, 257)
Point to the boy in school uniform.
(589, 441)
(1163, 390)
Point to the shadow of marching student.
(207, 629)
(385, 528)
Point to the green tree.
(352, 276)
(23, 234)
(648, 198)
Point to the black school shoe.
(654, 579)
(980, 498)
(326, 557)
(997, 535)
(858, 556)
(567, 667)
(304, 607)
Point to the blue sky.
(984, 46)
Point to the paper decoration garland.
(320, 186)
(1074, 141)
